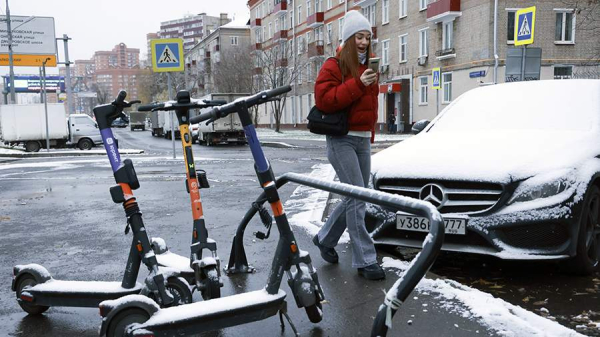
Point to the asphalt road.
(57, 212)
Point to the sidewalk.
(18, 152)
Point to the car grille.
(465, 197)
(543, 235)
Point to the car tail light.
(27, 297)
(104, 310)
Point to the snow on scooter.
(141, 316)
(202, 272)
(36, 289)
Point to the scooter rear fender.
(109, 309)
(40, 273)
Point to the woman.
(350, 155)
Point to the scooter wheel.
(315, 311)
(118, 324)
(212, 284)
(29, 281)
(180, 290)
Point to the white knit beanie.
(354, 22)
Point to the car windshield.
(543, 105)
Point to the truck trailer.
(25, 124)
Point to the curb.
(279, 145)
(63, 154)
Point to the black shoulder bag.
(332, 124)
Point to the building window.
(308, 72)
(329, 36)
(319, 33)
(385, 51)
(422, 5)
(403, 8)
(318, 6)
(423, 90)
(329, 4)
(291, 19)
(270, 30)
(403, 48)
(299, 15)
(565, 27)
(447, 86)
(563, 72)
(369, 13)
(385, 12)
(423, 48)
(510, 27)
(340, 27)
(299, 75)
(234, 40)
(447, 40)
(308, 9)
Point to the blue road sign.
(474, 74)
(524, 26)
(167, 55)
(435, 74)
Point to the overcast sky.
(101, 24)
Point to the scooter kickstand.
(283, 312)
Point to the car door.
(84, 127)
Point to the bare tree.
(102, 94)
(280, 67)
(587, 13)
(233, 72)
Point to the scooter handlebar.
(150, 107)
(224, 110)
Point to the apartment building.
(204, 57)
(414, 36)
(117, 70)
(192, 28)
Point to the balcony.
(256, 23)
(280, 8)
(316, 49)
(256, 46)
(280, 35)
(364, 3)
(445, 54)
(283, 62)
(443, 10)
(257, 71)
(315, 20)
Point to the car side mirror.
(419, 126)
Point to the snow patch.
(502, 317)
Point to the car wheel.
(587, 260)
(85, 144)
(32, 146)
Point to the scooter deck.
(78, 293)
(215, 314)
(172, 260)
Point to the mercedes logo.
(434, 194)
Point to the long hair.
(348, 57)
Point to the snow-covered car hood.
(494, 156)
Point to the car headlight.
(541, 187)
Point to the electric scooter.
(142, 317)
(36, 289)
(203, 272)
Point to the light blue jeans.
(350, 156)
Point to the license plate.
(408, 222)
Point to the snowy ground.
(307, 205)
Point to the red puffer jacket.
(331, 95)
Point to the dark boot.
(328, 254)
(372, 272)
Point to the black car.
(514, 169)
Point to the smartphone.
(374, 64)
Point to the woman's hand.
(368, 77)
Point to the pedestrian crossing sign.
(524, 26)
(167, 55)
(435, 74)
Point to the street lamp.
(45, 102)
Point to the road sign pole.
(523, 62)
(67, 63)
(171, 115)
(45, 104)
(10, 57)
